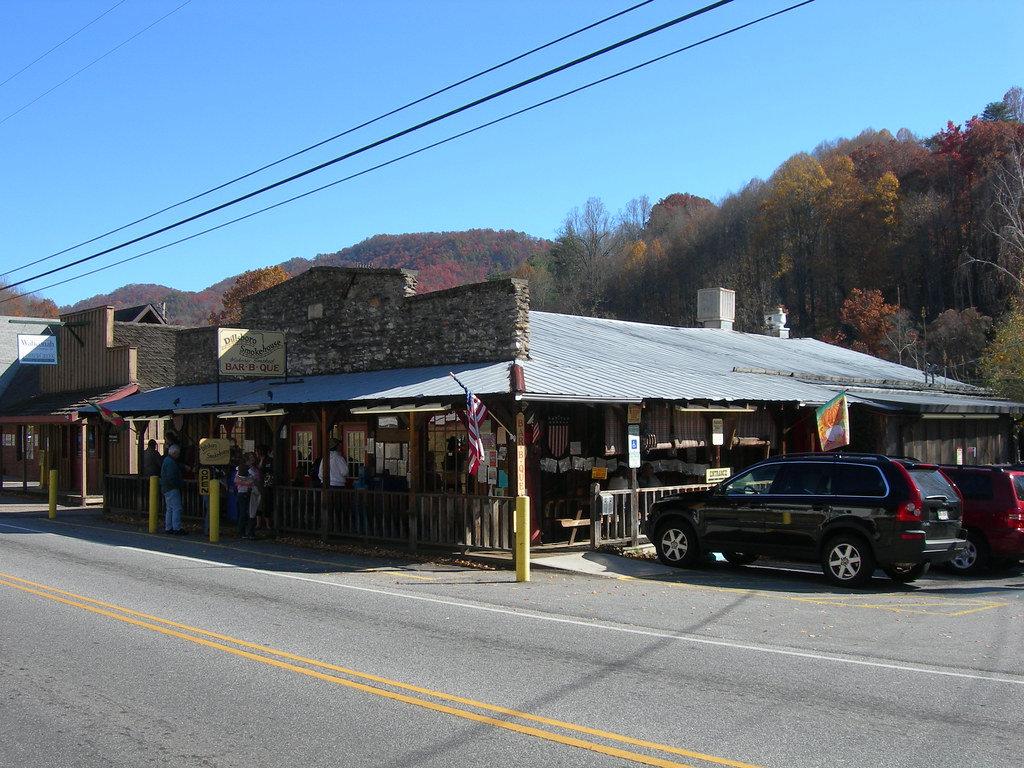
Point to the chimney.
(716, 308)
(776, 323)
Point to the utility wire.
(333, 138)
(94, 61)
(58, 45)
(425, 148)
(392, 137)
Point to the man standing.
(151, 460)
(171, 485)
(338, 466)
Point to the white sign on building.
(245, 352)
(37, 349)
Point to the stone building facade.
(347, 320)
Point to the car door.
(733, 518)
(798, 506)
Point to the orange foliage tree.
(867, 321)
(246, 284)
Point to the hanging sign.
(245, 352)
(634, 445)
(717, 432)
(37, 349)
(214, 451)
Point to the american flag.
(558, 435)
(476, 412)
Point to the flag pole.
(490, 413)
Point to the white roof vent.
(716, 308)
(776, 323)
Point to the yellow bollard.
(53, 493)
(154, 502)
(215, 511)
(522, 529)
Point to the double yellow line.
(390, 689)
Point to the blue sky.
(159, 100)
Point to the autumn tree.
(867, 321)
(793, 221)
(956, 340)
(26, 304)
(1003, 362)
(246, 284)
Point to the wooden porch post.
(325, 468)
(84, 432)
(413, 474)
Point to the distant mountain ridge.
(441, 259)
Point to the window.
(758, 480)
(858, 480)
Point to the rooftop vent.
(716, 308)
(776, 323)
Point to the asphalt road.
(122, 648)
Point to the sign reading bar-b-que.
(245, 352)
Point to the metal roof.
(593, 358)
(585, 359)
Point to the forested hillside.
(443, 260)
(906, 248)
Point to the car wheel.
(676, 543)
(739, 558)
(847, 560)
(905, 573)
(974, 557)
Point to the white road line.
(590, 624)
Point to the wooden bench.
(575, 523)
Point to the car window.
(1018, 485)
(975, 486)
(804, 479)
(757, 480)
(932, 482)
(859, 480)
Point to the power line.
(392, 137)
(58, 45)
(333, 138)
(425, 148)
(94, 61)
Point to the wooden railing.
(411, 520)
(617, 516)
(443, 520)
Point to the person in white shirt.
(338, 466)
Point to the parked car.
(850, 512)
(993, 516)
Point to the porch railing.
(617, 516)
(441, 520)
(429, 519)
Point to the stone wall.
(156, 344)
(196, 355)
(344, 320)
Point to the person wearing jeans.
(171, 484)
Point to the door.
(734, 516)
(300, 452)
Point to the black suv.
(850, 512)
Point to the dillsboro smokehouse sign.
(245, 352)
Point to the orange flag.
(834, 423)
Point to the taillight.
(909, 510)
(1016, 519)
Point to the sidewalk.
(575, 560)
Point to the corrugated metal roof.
(592, 359)
(402, 384)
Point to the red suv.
(993, 516)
